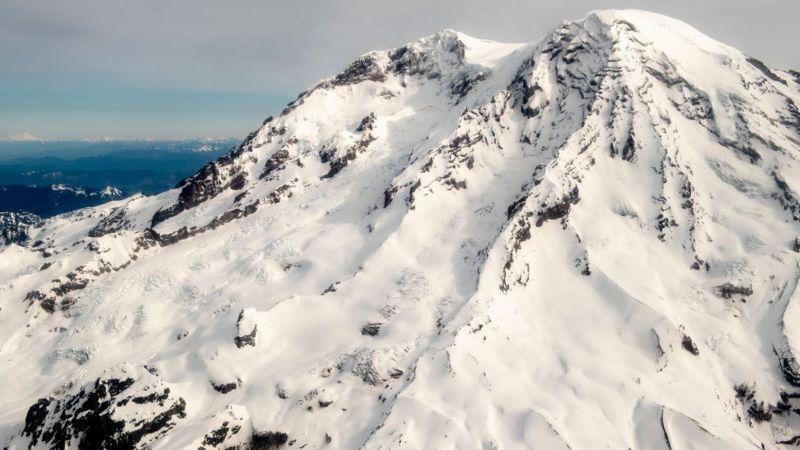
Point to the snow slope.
(585, 242)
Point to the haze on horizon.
(204, 68)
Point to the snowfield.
(586, 242)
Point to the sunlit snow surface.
(586, 242)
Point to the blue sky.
(212, 68)
(76, 110)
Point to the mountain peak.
(647, 20)
(587, 241)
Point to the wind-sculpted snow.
(590, 241)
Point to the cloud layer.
(99, 56)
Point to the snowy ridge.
(108, 191)
(588, 241)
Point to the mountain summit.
(586, 242)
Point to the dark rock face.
(371, 329)
(338, 163)
(663, 223)
(728, 291)
(366, 124)
(301, 98)
(792, 117)
(331, 288)
(341, 158)
(121, 410)
(515, 207)
(238, 182)
(688, 344)
(460, 87)
(410, 60)
(266, 440)
(406, 60)
(765, 70)
(455, 184)
(150, 237)
(208, 182)
(275, 163)
(521, 232)
(14, 227)
(628, 149)
(35, 418)
(57, 297)
(789, 367)
(229, 429)
(114, 222)
(787, 197)
(365, 68)
(279, 193)
(412, 193)
(755, 409)
(224, 388)
(759, 411)
(559, 209)
(388, 195)
(203, 185)
(246, 330)
(217, 436)
(796, 75)
(794, 440)
(526, 91)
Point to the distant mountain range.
(46, 201)
(49, 178)
(75, 149)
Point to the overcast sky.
(204, 68)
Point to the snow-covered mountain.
(590, 241)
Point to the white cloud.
(22, 137)
(92, 67)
